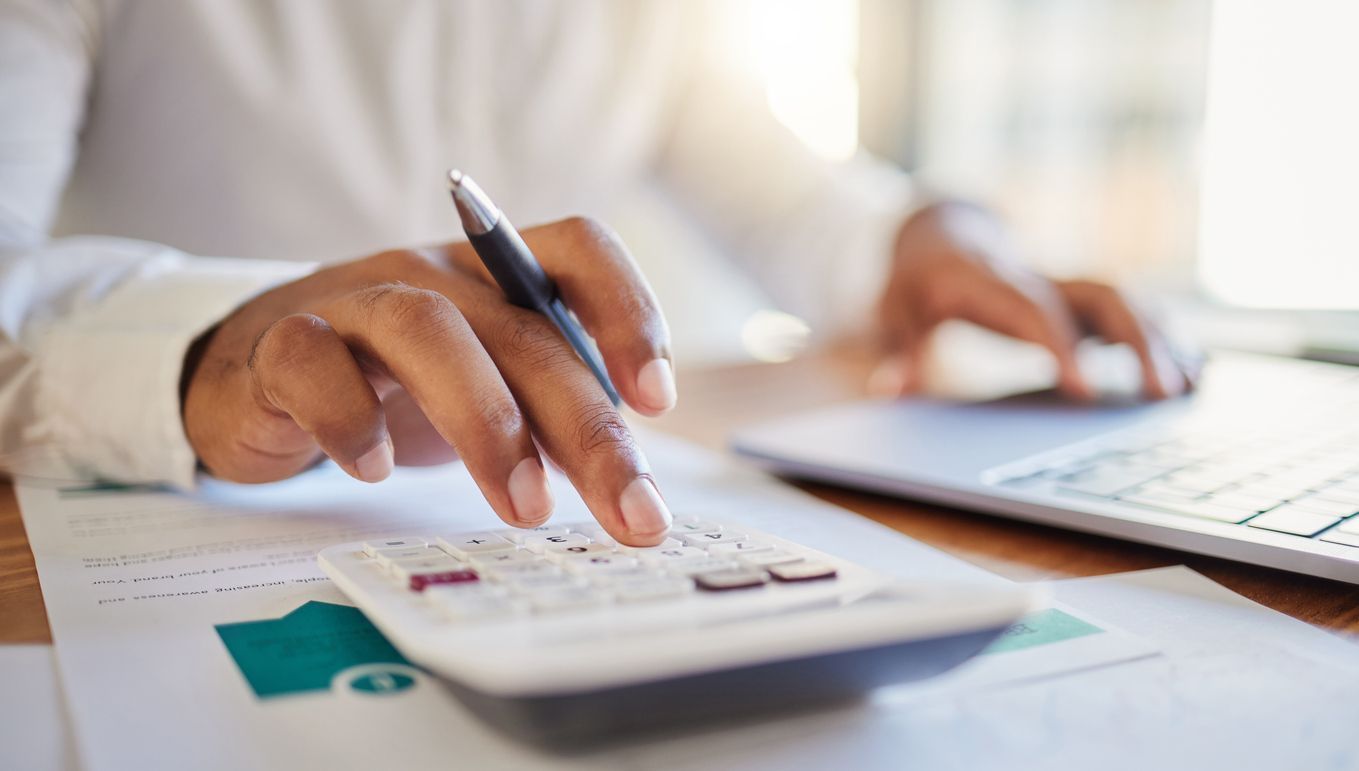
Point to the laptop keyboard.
(1297, 479)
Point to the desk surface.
(713, 401)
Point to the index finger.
(571, 417)
(600, 281)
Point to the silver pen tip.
(475, 209)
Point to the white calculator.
(560, 633)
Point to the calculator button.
(521, 534)
(421, 580)
(555, 599)
(696, 567)
(464, 545)
(463, 602)
(402, 570)
(763, 559)
(724, 580)
(540, 543)
(620, 575)
(663, 557)
(801, 571)
(599, 563)
(465, 590)
(692, 526)
(385, 557)
(594, 532)
(738, 548)
(563, 552)
(509, 570)
(373, 547)
(531, 582)
(637, 551)
(702, 540)
(653, 589)
(516, 556)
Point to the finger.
(906, 342)
(420, 339)
(301, 369)
(1105, 311)
(571, 417)
(601, 283)
(416, 441)
(1003, 307)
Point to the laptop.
(1260, 464)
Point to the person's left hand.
(954, 261)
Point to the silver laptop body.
(1260, 464)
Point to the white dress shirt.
(162, 162)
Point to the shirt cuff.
(109, 375)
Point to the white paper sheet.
(34, 731)
(1238, 687)
(136, 581)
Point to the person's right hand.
(415, 357)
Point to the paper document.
(1237, 686)
(199, 632)
(34, 732)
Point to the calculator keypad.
(560, 568)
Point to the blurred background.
(1203, 150)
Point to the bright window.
(1279, 222)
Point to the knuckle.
(586, 230)
(290, 341)
(601, 432)
(529, 340)
(943, 301)
(496, 412)
(408, 308)
(1106, 293)
(399, 262)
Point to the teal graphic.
(382, 682)
(304, 650)
(1042, 628)
(109, 488)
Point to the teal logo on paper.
(1041, 628)
(97, 488)
(314, 648)
(376, 679)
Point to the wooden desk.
(712, 402)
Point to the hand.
(415, 357)
(953, 261)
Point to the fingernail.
(656, 384)
(376, 464)
(529, 493)
(644, 513)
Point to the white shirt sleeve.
(93, 330)
(817, 235)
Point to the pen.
(517, 271)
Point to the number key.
(702, 540)
(540, 543)
(692, 526)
